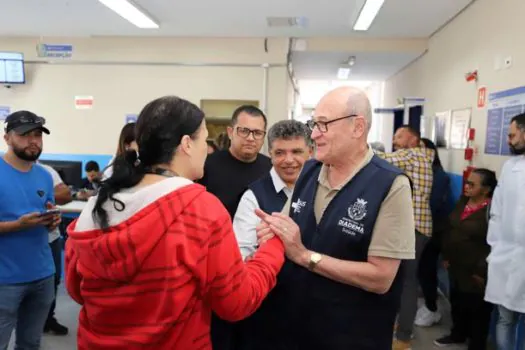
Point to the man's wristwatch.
(314, 260)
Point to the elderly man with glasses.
(348, 226)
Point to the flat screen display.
(12, 68)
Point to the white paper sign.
(83, 102)
(459, 128)
(442, 129)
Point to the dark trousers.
(56, 250)
(471, 316)
(222, 334)
(409, 296)
(428, 273)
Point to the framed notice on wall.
(459, 125)
(441, 132)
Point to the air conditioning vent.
(286, 21)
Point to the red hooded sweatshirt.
(169, 258)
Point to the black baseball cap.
(23, 122)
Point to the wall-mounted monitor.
(12, 68)
(69, 171)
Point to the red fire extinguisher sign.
(482, 97)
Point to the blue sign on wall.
(503, 106)
(4, 112)
(54, 51)
(131, 118)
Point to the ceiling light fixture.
(368, 14)
(130, 12)
(343, 73)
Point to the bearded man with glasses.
(227, 174)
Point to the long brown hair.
(127, 136)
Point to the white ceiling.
(369, 66)
(226, 18)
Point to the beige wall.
(123, 74)
(486, 30)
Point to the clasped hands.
(283, 227)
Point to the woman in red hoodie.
(153, 254)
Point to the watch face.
(316, 257)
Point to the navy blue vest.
(269, 200)
(261, 331)
(322, 313)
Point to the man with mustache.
(289, 148)
(26, 264)
(506, 280)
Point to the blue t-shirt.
(25, 255)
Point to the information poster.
(502, 107)
(459, 126)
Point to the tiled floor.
(67, 314)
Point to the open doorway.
(218, 114)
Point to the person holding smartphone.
(27, 215)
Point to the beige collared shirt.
(394, 230)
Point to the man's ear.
(229, 130)
(414, 141)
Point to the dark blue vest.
(269, 200)
(262, 330)
(322, 313)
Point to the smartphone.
(50, 212)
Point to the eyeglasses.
(245, 133)
(322, 126)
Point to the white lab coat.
(506, 236)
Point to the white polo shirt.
(245, 221)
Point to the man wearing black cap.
(26, 264)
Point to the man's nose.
(315, 133)
(33, 140)
(289, 158)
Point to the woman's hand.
(286, 229)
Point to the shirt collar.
(323, 175)
(278, 183)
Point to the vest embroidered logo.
(297, 206)
(357, 211)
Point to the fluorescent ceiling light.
(343, 73)
(130, 12)
(368, 14)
